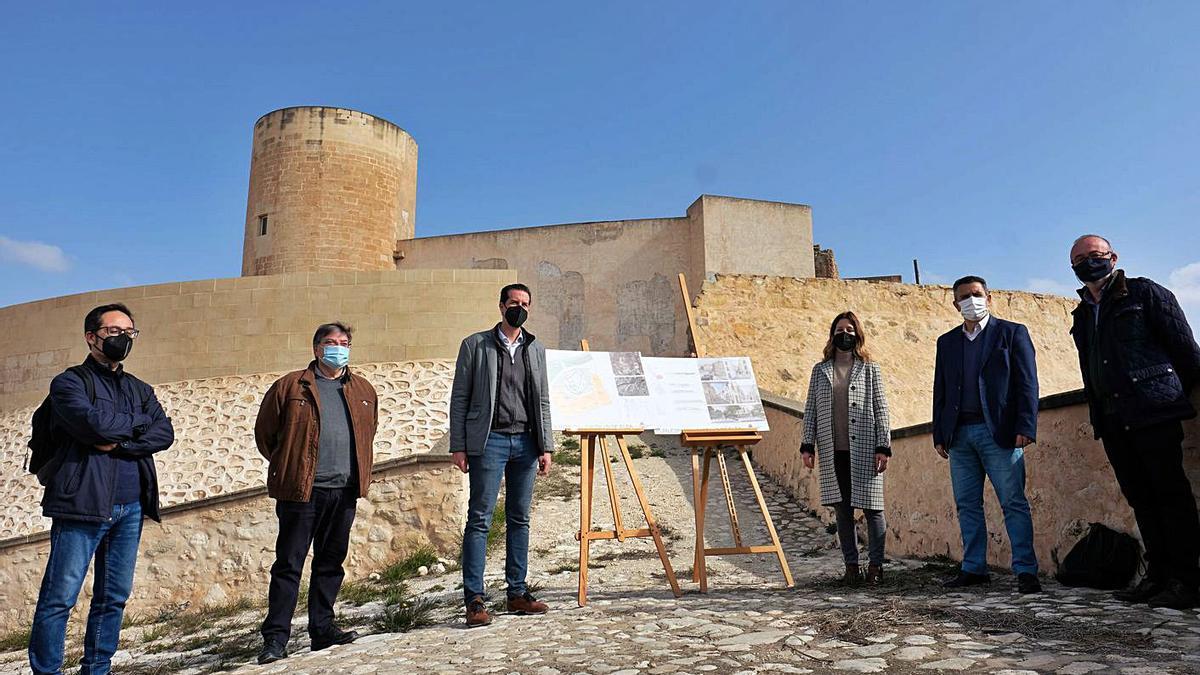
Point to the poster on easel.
(621, 390)
(704, 393)
(598, 390)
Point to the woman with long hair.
(846, 427)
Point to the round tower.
(330, 189)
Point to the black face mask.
(844, 341)
(1093, 269)
(515, 316)
(117, 347)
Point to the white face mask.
(973, 308)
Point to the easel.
(711, 443)
(589, 441)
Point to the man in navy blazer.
(985, 405)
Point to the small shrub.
(16, 640)
(406, 615)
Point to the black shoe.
(272, 652)
(1175, 595)
(333, 637)
(1027, 582)
(1144, 590)
(967, 579)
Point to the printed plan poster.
(597, 390)
(610, 390)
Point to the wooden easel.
(591, 440)
(711, 443)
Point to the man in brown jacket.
(316, 427)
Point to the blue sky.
(977, 137)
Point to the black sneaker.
(1027, 582)
(1144, 590)
(333, 636)
(272, 652)
(1175, 595)
(965, 579)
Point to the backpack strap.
(89, 384)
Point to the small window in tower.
(262, 225)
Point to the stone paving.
(748, 622)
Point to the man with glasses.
(99, 485)
(1139, 363)
(316, 427)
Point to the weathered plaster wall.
(201, 329)
(206, 553)
(615, 283)
(1069, 483)
(782, 324)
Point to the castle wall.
(337, 188)
(200, 329)
(613, 283)
(222, 550)
(782, 324)
(1069, 483)
(217, 538)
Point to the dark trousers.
(1148, 464)
(323, 522)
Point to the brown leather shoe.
(853, 575)
(874, 574)
(477, 614)
(527, 604)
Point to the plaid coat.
(870, 431)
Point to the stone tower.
(330, 189)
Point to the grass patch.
(406, 614)
(15, 640)
(637, 451)
(569, 443)
(407, 568)
(656, 451)
(497, 529)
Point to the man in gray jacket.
(500, 428)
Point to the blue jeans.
(513, 457)
(972, 455)
(73, 543)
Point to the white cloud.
(1185, 284)
(35, 254)
(1050, 286)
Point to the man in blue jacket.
(985, 405)
(104, 485)
(1139, 362)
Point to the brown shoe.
(874, 574)
(527, 604)
(477, 614)
(853, 576)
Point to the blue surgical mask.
(335, 356)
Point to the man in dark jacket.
(316, 427)
(985, 405)
(104, 484)
(500, 428)
(1139, 363)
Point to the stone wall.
(783, 324)
(1069, 483)
(615, 283)
(826, 264)
(221, 549)
(214, 452)
(202, 329)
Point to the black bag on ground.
(45, 445)
(1103, 558)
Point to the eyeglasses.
(110, 331)
(1094, 255)
(335, 343)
